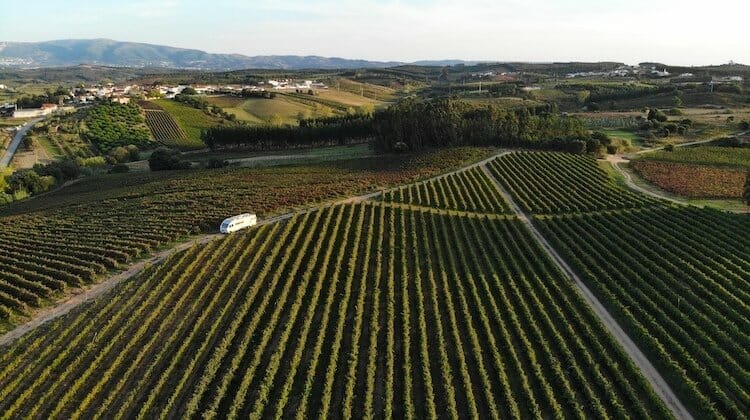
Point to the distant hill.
(106, 52)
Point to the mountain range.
(106, 52)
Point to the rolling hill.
(106, 52)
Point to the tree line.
(417, 125)
(337, 130)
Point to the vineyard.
(163, 127)
(695, 181)
(350, 311)
(468, 190)
(556, 183)
(192, 121)
(107, 221)
(678, 280)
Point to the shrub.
(164, 159)
(215, 163)
(602, 137)
(119, 168)
(63, 170)
(400, 147)
(135, 153)
(91, 161)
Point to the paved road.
(660, 386)
(8, 156)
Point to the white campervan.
(235, 223)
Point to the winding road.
(17, 139)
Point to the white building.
(46, 109)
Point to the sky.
(686, 32)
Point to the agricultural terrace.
(469, 190)
(106, 221)
(555, 183)
(63, 136)
(678, 281)
(192, 121)
(327, 315)
(109, 125)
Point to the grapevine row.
(362, 310)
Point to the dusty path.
(616, 160)
(690, 143)
(8, 156)
(660, 386)
(49, 313)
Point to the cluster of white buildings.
(291, 84)
(46, 109)
(622, 71)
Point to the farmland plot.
(556, 183)
(678, 280)
(349, 311)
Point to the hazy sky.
(676, 32)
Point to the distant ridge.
(106, 52)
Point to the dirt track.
(661, 387)
(46, 314)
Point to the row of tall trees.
(327, 131)
(416, 125)
(445, 122)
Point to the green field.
(262, 110)
(733, 157)
(191, 120)
(287, 157)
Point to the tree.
(119, 168)
(676, 101)
(189, 91)
(164, 159)
(275, 120)
(29, 181)
(154, 93)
